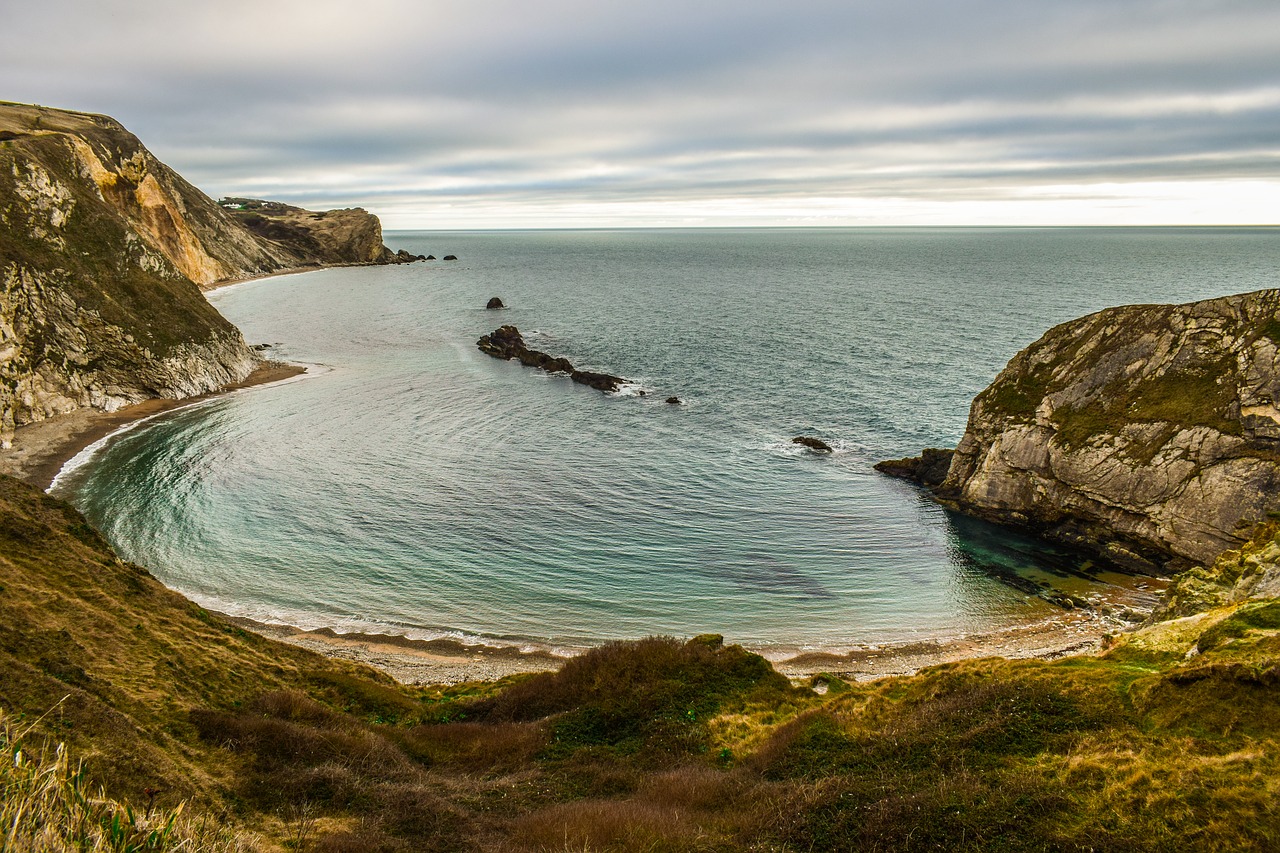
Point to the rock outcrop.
(1251, 572)
(817, 445)
(928, 469)
(103, 250)
(494, 304)
(507, 343)
(1148, 435)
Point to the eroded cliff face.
(103, 251)
(99, 247)
(1149, 435)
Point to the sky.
(439, 114)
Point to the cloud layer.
(493, 113)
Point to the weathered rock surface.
(99, 247)
(103, 250)
(507, 343)
(1251, 572)
(817, 445)
(1148, 435)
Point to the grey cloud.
(537, 106)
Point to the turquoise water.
(412, 484)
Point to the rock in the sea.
(674, 401)
(506, 342)
(817, 445)
(1146, 435)
(429, 258)
(494, 303)
(600, 381)
(450, 258)
(928, 469)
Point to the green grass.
(1169, 740)
(50, 805)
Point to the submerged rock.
(506, 342)
(817, 445)
(674, 401)
(494, 303)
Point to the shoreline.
(451, 661)
(41, 450)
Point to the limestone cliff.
(103, 250)
(1148, 435)
(99, 248)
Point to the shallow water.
(418, 486)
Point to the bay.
(412, 484)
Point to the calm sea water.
(414, 485)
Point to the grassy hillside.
(1166, 741)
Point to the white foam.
(84, 457)
(285, 617)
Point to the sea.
(410, 484)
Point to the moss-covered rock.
(1148, 435)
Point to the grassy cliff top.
(1170, 738)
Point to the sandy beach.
(452, 662)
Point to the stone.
(928, 469)
(506, 342)
(450, 258)
(815, 444)
(494, 303)
(674, 401)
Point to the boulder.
(494, 303)
(817, 445)
(674, 401)
(506, 342)
(450, 258)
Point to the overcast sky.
(567, 113)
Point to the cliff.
(103, 250)
(1148, 435)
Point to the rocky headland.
(103, 252)
(311, 238)
(1147, 435)
(507, 343)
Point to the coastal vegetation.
(1168, 738)
(132, 719)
